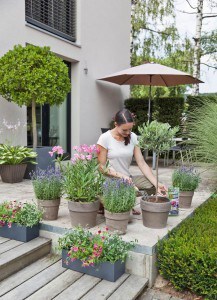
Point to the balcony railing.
(55, 16)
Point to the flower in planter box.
(92, 249)
(26, 214)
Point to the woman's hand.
(162, 189)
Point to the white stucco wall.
(103, 46)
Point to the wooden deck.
(46, 279)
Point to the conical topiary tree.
(33, 75)
(158, 137)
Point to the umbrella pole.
(149, 102)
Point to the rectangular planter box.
(104, 270)
(19, 233)
(43, 160)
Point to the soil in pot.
(50, 208)
(155, 214)
(117, 221)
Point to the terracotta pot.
(155, 214)
(83, 213)
(117, 221)
(50, 208)
(13, 173)
(185, 199)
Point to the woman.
(118, 147)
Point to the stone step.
(46, 279)
(17, 255)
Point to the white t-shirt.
(119, 155)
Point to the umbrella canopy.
(151, 74)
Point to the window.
(56, 16)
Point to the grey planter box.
(43, 160)
(19, 233)
(104, 270)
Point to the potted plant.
(47, 186)
(13, 161)
(119, 197)
(187, 180)
(102, 255)
(19, 221)
(157, 137)
(82, 184)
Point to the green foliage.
(118, 195)
(202, 126)
(26, 214)
(185, 178)
(164, 110)
(91, 249)
(33, 73)
(187, 258)
(196, 102)
(82, 178)
(13, 155)
(208, 43)
(156, 136)
(47, 184)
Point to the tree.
(33, 75)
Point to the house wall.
(102, 46)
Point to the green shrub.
(195, 102)
(185, 178)
(188, 257)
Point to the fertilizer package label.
(173, 195)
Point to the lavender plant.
(186, 178)
(47, 183)
(119, 195)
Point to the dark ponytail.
(124, 116)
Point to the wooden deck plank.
(26, 273)
(79, 288)
(56, 286)
(104, 289)
(3, 240)
(35, 283)
(8, 245)
(130, 289)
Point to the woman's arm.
(102, 159)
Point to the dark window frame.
(55, 16)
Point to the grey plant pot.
(19, 233)
(104, 270)
(117, 221)
(155, 214)
(83, 213)
(12, 173)
(43, 161)
(49, 208)
(185, 199)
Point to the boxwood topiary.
(188, 257)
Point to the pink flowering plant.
(82, 178)
(58, 153)
(23, 214)
(92, 249)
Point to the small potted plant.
(13, 161)
(102, 255)
(187, 180)
(47, 186)
(158, 137)
(119, 197)
(19, 221)
(82, 185)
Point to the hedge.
(163, 109)
(198, 101)
(188, 257)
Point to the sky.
(186, 24)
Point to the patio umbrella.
(151, 74)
